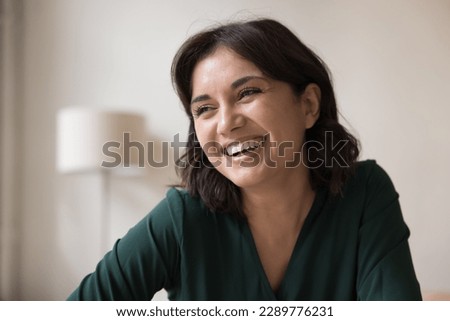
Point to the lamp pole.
(105, 210)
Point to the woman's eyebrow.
(243, 80)
(200, 98)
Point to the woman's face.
(249, 125)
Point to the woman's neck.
(282, 204)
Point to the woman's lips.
(238, 148)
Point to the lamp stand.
(105, 221)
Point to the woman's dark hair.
(280, 55)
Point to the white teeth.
(237, 148)
(234, 149)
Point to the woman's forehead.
(225, 64)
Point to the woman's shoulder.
(179, 206)
(174, 213)
(180, 200)
(367, 167)
(370, 186)
(370, 174)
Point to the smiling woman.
(267, 208)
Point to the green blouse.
(353, 247)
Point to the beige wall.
(392, 77)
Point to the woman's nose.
(230, 119)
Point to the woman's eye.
(248, 92)
(200, 110)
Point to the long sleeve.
(385, 268)
(144, 261)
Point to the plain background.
(390, 64)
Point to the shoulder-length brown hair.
(279, 54)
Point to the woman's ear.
(311, 104)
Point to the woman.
(272, 204)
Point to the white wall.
(392, 77)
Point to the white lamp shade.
(82, 133)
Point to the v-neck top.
(351, 247)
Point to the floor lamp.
(90, 139)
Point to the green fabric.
(353, 247)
